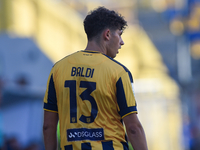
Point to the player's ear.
(106, 34)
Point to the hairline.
(112, 29)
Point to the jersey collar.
(90, 51)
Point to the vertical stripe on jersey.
(121, 98)
(68, 147)
(125, 145)
(86, 146)
(51, 99)
(107, 145)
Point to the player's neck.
(93, 46)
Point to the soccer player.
(91, 94)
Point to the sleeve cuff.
(128, 111)
(50, 107)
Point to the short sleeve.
(50, 99)
(125, 96)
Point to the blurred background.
(162, 50)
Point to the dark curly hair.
(101, 18)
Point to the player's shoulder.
(117, 64)
(64, 59)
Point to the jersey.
(91, 92)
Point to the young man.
(91, 93)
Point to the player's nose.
(122, 42)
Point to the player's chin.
(114, 55)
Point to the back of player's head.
(101, 18)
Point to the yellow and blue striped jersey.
(91, 92)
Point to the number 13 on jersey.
(85, 95)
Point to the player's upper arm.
(50, 120)
(131, 121)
